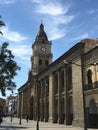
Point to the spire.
(41, 36)
(41, 27)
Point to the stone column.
(51, 98)
(65, 90)
(59, 100)
(77, 95)
(22, 104)
(45, 105)
(41, 108)
(18, 106)
(66, 95)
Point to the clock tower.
(41, 49)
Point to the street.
(31, 125)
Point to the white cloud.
(55, 36)
(21, 51)
(63, 19)
(54, 26)
(12, 36)
(17, 44)
(36, 1)
(54, 14)
(53, 30)
(51, 9)
(93, 11)
(85, 35)
(7, 1)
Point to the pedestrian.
(27, 118)
(0, 120)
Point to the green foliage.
(1, 24)
(8, 69)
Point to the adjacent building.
(11, 104)
(3, 108)
(64, 91)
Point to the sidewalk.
(31, 125)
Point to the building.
(11, 104)
(3, 108)
(59, 91)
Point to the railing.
(91, 86)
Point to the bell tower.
(41, 50)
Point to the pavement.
(31, 125)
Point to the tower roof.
(41, 36)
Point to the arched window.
(40, 62)
(46, 62)
(89, 77)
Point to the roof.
(78, 49)
(41, 36)
(89, 40)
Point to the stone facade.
(56, 91)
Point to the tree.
(1, 24)
(8, 69)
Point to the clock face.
(43, 49)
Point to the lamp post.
(67, 63)
(11, 113)
(11, 106)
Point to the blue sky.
(66, 22)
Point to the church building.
(64, 91)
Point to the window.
(46, 62)
(40, 62)
(89, 77)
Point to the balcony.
(91, 86)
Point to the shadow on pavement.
(12, 127)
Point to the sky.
(66, 22)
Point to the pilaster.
(59, 100)
(45, 105)
(41, 108)
(77, 95)
(51, 98)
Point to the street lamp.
(11, 113)
(67, 63)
